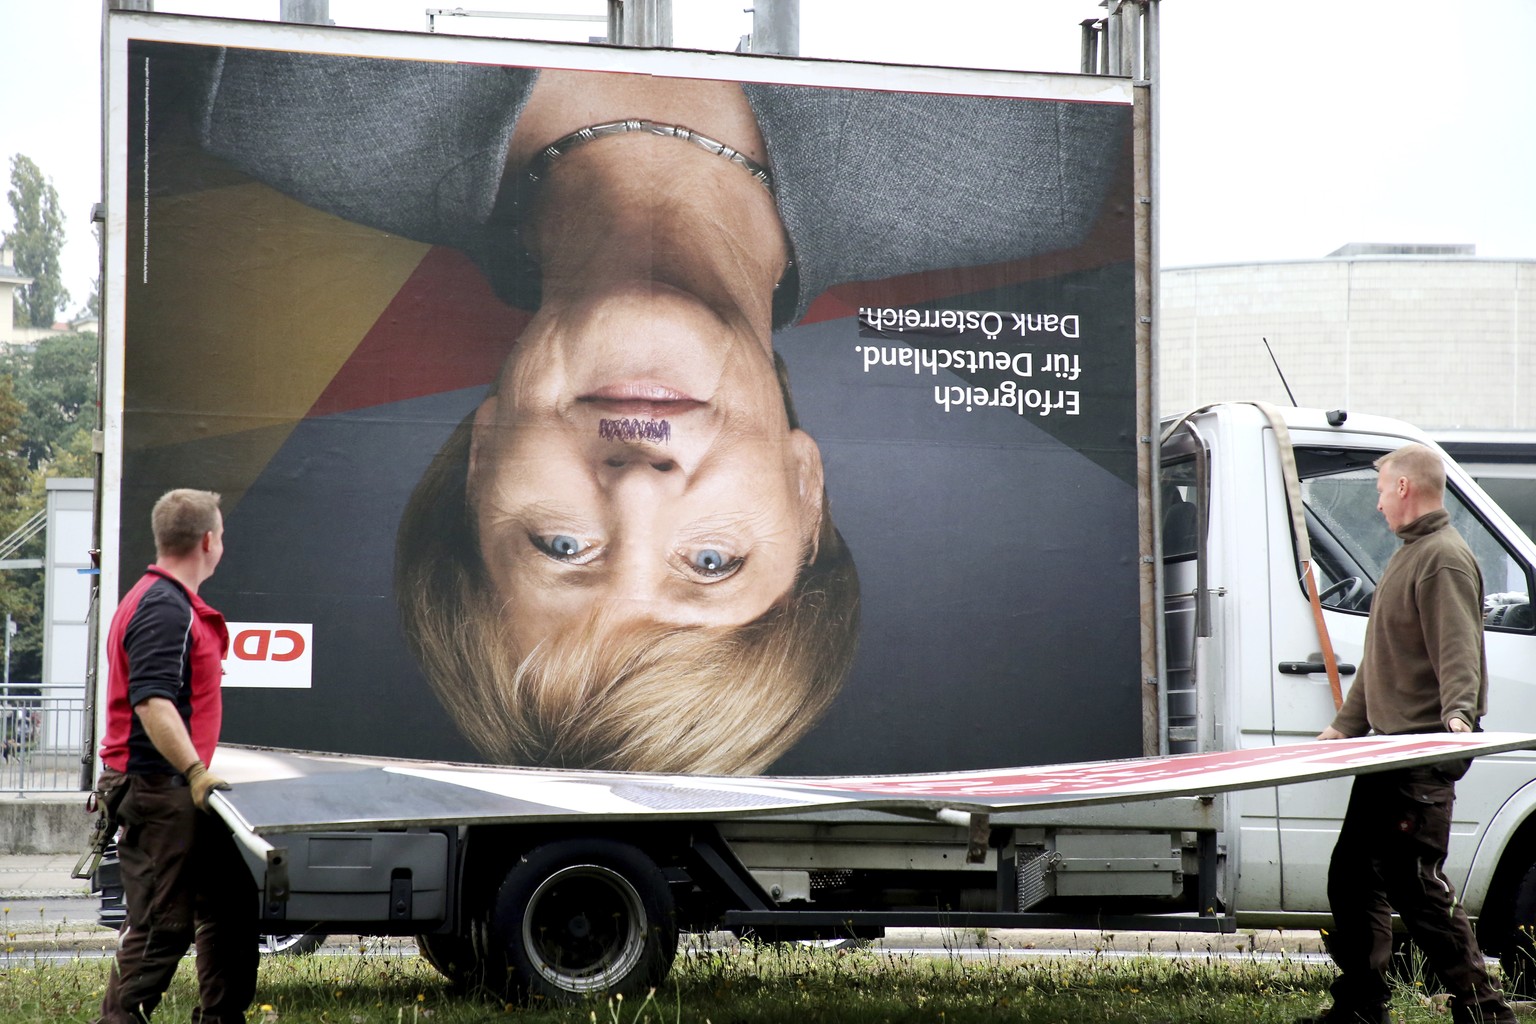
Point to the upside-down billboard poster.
(588, 407)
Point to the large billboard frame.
(124, 27)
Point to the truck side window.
(1350, 541)
(1506, 587)
(1180, 519)
(1516, 495)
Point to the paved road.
(49, 927)
(49, 911)
(45, 911)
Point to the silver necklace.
(539, 166)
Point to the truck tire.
(1518, 957)
(582, 917)
(452, 956)
(301, 944)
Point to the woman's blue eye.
(712, 563)
(561, 545)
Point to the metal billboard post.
(1124, 44)
(305, 12)
(776, 27)
(645, 23)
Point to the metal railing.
(41, 737)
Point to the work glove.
(202, 782)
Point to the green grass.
(747, 986)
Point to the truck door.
(1350, 546)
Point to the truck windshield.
(1351, 543)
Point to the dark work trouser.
(184, 882)
(1390, 856)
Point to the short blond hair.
(640, 696)
(1419, 463)
(181, 517)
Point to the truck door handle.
(1306, 668)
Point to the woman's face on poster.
(636, 459)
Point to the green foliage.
(56, 382)
(36, 241)
(73, 458)
(13, 440)
(20, 589)
(47, 412)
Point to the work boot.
(1490, 1011)
(1337, 1015)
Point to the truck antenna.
(1281, 373)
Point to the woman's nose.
(659, 463)
(641, 485)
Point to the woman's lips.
(640, 400)
(642, 391)
(642, 409)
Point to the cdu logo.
(273, 655)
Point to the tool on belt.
(103, 832)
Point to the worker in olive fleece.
(1423, 670)
(183, 878)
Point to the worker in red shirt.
(183, 878)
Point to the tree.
(20, 589)
(23, 493)
(36, 241)
(75, 457)
(56, 385)
(47, 412)
(14, 477)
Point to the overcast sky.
(1288, 128)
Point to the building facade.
(11, 281)
(1430, 334)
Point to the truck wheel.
(583, 916)
(1518, 958)
(452, 956)
(301, 944)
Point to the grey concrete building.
(1431, 334)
